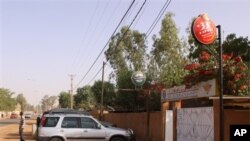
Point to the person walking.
(21, 126)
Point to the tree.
(48, 102)
(7, 103)
(127, 53)
(168, 54)
(20, 99)
(108, 93)
(238, 46)
(84, 98)
(64, 100)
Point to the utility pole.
(101, 110)
(71, 90)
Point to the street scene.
(124, 70)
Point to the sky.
(43, 42)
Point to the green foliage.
(127, 53)
(108, 93)
(84, 98)
(127, 50)
(239, 46)
(128, 100)
(7, 103)
(168, 54)
(64, 100)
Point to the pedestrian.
(21, 126)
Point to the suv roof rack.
(67, 111)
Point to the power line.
(122, 37)
(162, 11)
(107, 42)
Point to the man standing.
(21, 126)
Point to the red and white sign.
(204, 29)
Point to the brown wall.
(138, 122)
(231, 117)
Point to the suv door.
(91, 132)
(71, 128)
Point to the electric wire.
(86, 31)
(107, 42)
(162, 11)
(122, 37)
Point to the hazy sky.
(43, 41)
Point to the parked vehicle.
(13, 116)
(66, 127)
(28, 115)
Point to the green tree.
(20, 99)
(7, 103)
(127, 53)
(239, 46)
(108, 93)
(64, 100)
(168, 54)
(84, 98)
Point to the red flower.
(237, 76)
(238, 59)
(205, 72)
(243, 87)
(204, 56)
(192, 66)
(226, 57)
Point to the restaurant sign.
(204, 30)
(202, 89)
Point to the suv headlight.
(130, 132)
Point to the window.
(51, 121)
(71, 122)
(88, 123)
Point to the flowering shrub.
(235, 71)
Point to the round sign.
(138, 78)
(204, 30)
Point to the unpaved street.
(10, 132)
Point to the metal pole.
(101, 110)
(148, 115)
(71, 90)
(221, 85)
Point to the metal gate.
(195, 124)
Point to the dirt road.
(10, 132)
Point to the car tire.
(56, 139)
(117, 139)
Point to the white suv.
(77, 127)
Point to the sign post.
(204, 31)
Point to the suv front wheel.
(56, 139)
(117, 139)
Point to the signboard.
(204, 29)
(138, 78)
(203, 89)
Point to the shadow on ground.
(27, 136)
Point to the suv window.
(71, 122)
(88, 122)
(51, 121)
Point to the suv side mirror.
(99, 126)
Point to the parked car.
(13, 116)
(28, 115)
(66, 127)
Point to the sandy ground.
(10, 132)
